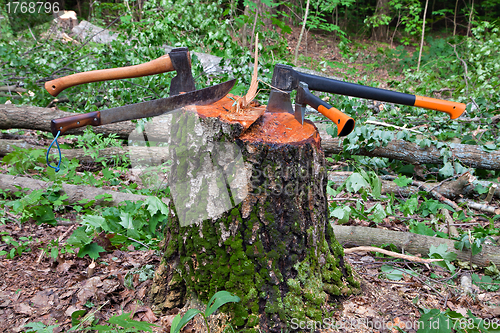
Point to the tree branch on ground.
(411, 243)
(75, 192)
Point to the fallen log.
(146, 155)
(450, 189)
(31, 117)
(37, 118)
(350, 236)
(469, 155)
(157, 155)
(75, 192)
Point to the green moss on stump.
(281, 258)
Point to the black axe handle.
(319, 83)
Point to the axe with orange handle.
(177, 60)
(285, 79)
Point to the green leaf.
(175, 323)
(92, 250)
(39, 327)
(492, 270)
(441, 252)
(402, 181)
(481, 189)
(342, 213)
(219, 299)
(410, 205)
(77, 316)
(392, 273)
(45, 214)
(98, 222)
(422, 229)
(79, 238)
(376, 186)
(355, 182)
(185, 319)
(126, 220)
(378, 213)
(434, 321)
(126, 18)
(447, 170)
(490, 147)
(124, 321)
(102, 328)
(154, 205)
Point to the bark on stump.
(263, 231)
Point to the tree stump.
(249, 215)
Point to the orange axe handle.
(454, 109)
(345, 124)
(161, 65)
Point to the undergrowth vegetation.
(464, 69)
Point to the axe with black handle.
(177, 60)
(285, 79)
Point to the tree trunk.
(380, 32)
(301, 34)
(249, 215)
(469, 26)
(423, 34)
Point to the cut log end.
(282, 128)
(223, 111)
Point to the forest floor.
(34, 287)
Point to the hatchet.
(285, 79)
(177, 60)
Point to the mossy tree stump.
(269, 241)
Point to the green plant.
(93, 143)
(22, 159)
(441, 252)
(118, 323)
(485, 282)
(366, 183)
(470, 242)
(137, 223)
(39, 205)
(409, 17)
(39, 327)
(54, 249)
(145, 272)
(216, 301)
(17, 247)
(435, 320)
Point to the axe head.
(283, 82)
(183, 81)
(279, 101)
(300, 102)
